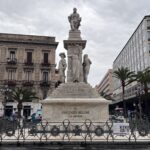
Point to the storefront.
(28, 109)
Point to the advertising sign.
(121, 128)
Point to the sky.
(106, 25)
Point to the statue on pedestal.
(77, 70)
(86, 67)
(62, 67)
(74, 20)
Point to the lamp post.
(5, 90)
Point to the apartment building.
(27, 61)
(105, 86)
(135, 55)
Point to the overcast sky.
(106, 25)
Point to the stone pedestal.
(74, 35)
(75, 102)
(74, 46)
(75, 110)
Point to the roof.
(27, 39)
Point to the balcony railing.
(44, 83)
(28, 63)
(45, 64)
(12, 61)
(10, 82)
(28, 83)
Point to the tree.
(143, 77)
(21, 95)
(124, 75)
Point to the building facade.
(27, 61)
(105, 87)
(135, 55)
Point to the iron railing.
(66, 131)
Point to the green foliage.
(143, 77)
(23, 95)
(124, 75)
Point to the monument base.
(75, 109)
(74, 35)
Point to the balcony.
(28, 83)
(44, 83)
(11, 61)
(45, 64)
(27, 63)
(10, 82)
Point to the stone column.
(74, 46)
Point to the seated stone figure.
(74, 20)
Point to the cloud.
(106, 25)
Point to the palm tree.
(143, 77)
(124, 75)
(21, 95)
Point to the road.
(69, 148)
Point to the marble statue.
(74, 20)
(62, 67)
(86, 67)
(76, 68)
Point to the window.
(45, 76)
(26, 111)
(11, 74)
(12, 55)
(29, 57)
(148, 24)
(8, 111)
(45, 57)
(148, 35)
(28, 75)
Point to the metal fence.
(66, 131)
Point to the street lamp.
(5, 90)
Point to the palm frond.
(23, 95)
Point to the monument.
(75, 100)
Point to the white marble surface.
(75, 109)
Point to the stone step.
(75, 90)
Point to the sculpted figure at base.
(62, 67)
(76, 68)
(86, 67)
(74, 20)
